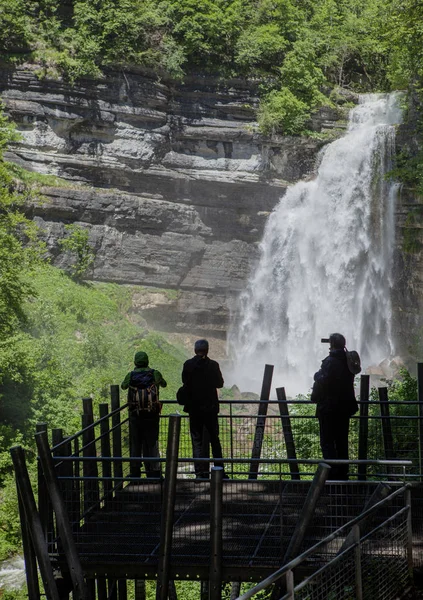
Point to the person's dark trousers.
(144, 441)
(198, 422)
(334, 441)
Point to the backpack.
(353, 361)
(143, 393)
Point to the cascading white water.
(325, 260)
(12, 574)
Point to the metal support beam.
(216, 492)
(357, 560)
(409, 534)
(31, 572)
(420, 409)
(261, 421)
(46, 516)
(363, 434)
(105, 450)
(235, 590)
(287, 433)
(168, 507)
(34, 522)
(116, 433)
(65, 531)
(388, 440)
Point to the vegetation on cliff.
(298, 50)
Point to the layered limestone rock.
(173, 180)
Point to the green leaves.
(282, 112)
(76, 244)
(262, 46)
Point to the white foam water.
(12, 573)
(325, 260)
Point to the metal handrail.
(88, 428)
(306, 461)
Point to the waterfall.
(325, 260)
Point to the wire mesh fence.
(374, 568)
(368, 557)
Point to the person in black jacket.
(333, 391)
(201, 376)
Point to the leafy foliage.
(76, 243)
(298, 50)
(19, 250)
(283, 112)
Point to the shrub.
(282, 112)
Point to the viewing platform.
(96, 528)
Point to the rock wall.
(173, 181)
(408, 286)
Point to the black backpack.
(353, 361)
(143, 393)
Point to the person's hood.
(141, 359)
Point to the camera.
(325, 341)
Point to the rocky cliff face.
(173, 181)
(408, 288)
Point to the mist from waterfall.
(325, 260)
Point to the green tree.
(76, 243)
(19, 249)
(282, 112)
(14, 26)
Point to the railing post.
(31, 572)
(43, 501)
(116, 433)
(168, 507)
(357, 562)
(363, 432)
(63, 524)
(56, 438)
(34, 523)
(289, 579)
(231, 433)
(139, 585)
(105, 450)
(67, 484)
(261, 421)
(216, 491)
(101, 588)
(287, 433)
(204, 590)
(77, 482)
(388, 442)
(89, 468)
(420, 409)
(235, 590)
(409, 533)
(172, 591)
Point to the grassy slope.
(79, 339)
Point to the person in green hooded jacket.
(143, 424)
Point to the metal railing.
(93, 470)
(376, 564)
